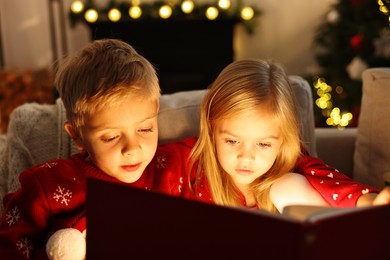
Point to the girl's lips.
(131, 168)
(244, 172)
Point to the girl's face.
(247, 145)
(122, 140)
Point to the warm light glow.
(77, 7)
(91, 15)
(187, 6)
(383, 9)
(135, 12)
(247, 13)
(212, 13)
(165, 11)
(114, 15)
(324, 102)
(224, 4)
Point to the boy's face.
(122, 140)
(247, 145)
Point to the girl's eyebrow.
(227, 132)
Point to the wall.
(284, 32)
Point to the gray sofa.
(337, 147)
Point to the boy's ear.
(74, 135)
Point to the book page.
(314, 213)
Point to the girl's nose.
(246, 152)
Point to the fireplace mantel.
(188, 54)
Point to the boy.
(111, 96)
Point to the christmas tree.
(355, 36)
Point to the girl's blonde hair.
(102, 74)
(242, 85)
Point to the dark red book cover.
(129, 223)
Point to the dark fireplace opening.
(187, 54)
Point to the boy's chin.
(130, 177)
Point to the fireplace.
(187, 54)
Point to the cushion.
(304, 98)
(372, 148)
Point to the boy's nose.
(131, 147)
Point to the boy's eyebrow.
(98, 127)
(227, 132)
(150, 117)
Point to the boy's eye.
(109, 139)
(146, 130)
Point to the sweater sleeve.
(23, 222)
(336, 188)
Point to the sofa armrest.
(336, 148)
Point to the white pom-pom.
(66, 244)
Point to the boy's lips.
(132, 167)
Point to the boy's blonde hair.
(102, 74)
(242, 85)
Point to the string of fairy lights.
(89, 11)
(334, 116)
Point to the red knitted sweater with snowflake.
(52, 195)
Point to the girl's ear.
(74, 135)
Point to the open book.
(129, 223)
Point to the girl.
(249, 142)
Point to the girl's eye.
(110, 139)
(264, 145)
(230, 141)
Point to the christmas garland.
(90, 11)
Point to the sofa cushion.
(372, 149)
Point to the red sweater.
(52, 194)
